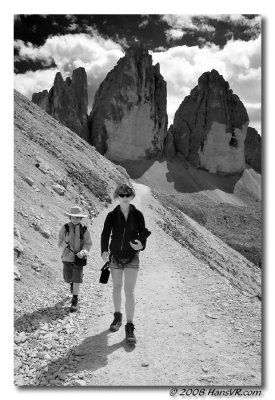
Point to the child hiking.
(127, 226)
(75, 241)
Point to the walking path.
(192, 327)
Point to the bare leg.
(117, 277)
(76, 287)
(129, 288)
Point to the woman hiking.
(127, 226)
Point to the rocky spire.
(210, 127)
(67, 101)
(129, 118)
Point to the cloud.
(254, 112)
(97, 55)
(252, 25)
(174, 34)
(33, 82)
(179, 21)
(180, 25)
(144, 22)
(239, 62)
(17, 18)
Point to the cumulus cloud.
(33, 82)
(144, 22)
(251, 25)
(179, 21)
(97, 55)
(254, 112)
(179, 25)
(239, 62)
(174, 34)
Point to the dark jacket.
(122, 232)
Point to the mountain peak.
(210, 126)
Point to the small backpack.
(83, 229)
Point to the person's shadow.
(90, 355)
(30, 322)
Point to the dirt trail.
(192, 326)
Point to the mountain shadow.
(178, 175)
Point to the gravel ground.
(193, 327)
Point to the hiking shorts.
(72, 272)
(132, 264)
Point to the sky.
(185, 46)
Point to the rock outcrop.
(253, 148)
(128, 118)
(210, 126)
(67, 101)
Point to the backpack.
(83, 229)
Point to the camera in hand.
(142, 236)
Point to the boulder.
(28, 180)
(253, 148)
(210, 126)
(128, 120)
(16, 232)
(59, 189)
(67, 101)
(17, 248)
(16, 273)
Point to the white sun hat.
(76, 211)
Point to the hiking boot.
(74, 304)
(117, 322)
(71, 287)
(129, 331)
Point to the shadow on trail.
(30, 322)
(90, 355)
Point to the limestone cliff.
(210, 126)
(253, 149)
(128, 118)
(67, 101)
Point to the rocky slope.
(203, 295)
(54, 169)
(128, 118)
(210, 126)
(67, 101)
